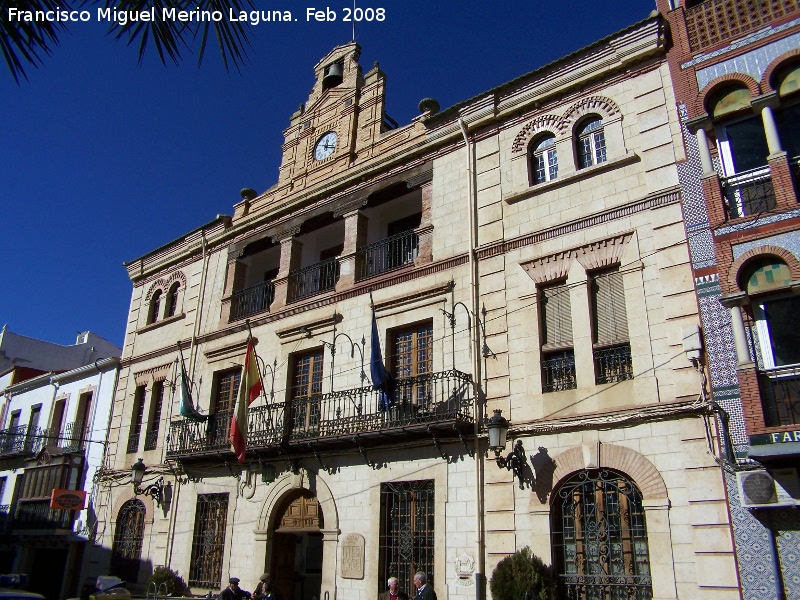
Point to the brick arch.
(605, 107)
(782, 61)
(737, 267)
(634, 465)
(715, 85)
(164, 284)
(532, 129)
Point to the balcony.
(436, 402)
(558, 372)
(714, 21)
(37, 514)
(748, 193)
(386, 255)
(19, 441)
(780, 395)
(253, 300)
(613, 364)
(314, 279)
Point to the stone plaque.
(353, 556)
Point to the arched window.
(126, 554)
(591, 143)
(544, 160)
(172, 299)
(599, 537)
(155, 307)
(787, 82)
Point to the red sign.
(68, 499)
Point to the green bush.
(176, 586)
(521, 573)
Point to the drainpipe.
(476, 366)
(192, 360)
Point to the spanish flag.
(249, 389)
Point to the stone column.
(355, 236)
(712, 190)
(291, 253)
(734, 303)
(765, 104)
(425, 230)
(234, 282)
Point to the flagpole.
(258, 367)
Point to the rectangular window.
(223, 404)
(558, 355)
(208, 542)
(58, 420)
(137, 419)
(412, 361)
(612, 350)
(406, 538)
(156, 406)
(33, 437)
(306, 389)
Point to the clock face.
(325, 146)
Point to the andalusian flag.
(249, 389)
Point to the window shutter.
(610, 316)
(557, 316)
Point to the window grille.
(138, 418)
(151, 441)
(406, 542)
(208, 543)
(128, 536)
(599, 538)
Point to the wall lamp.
(158, 490)
(515, 462)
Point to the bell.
(333, 76)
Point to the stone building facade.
(523, 252)
(735, 66)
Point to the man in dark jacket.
(424, 591)
(233, 592)
(393, 593)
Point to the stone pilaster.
(355, 236)
(291, 253)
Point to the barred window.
(599, 537)
(406, 541)
(156, 406)
(126, 553)
(612, 350)
(558, 355)
(137, 419)
(208, 542)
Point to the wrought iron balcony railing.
(151, 440)
(252, 300)
(190, 437)
(133, 443)
(629, 587)
(73, 438)
(314, 279)
(421, 402)
(780, 395)
(748, 193)
(713, 21)
(613, 364)
(387, 255)
(38, 515)
(21, 440)
(558, 372)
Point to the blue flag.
(381, 378)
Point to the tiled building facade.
(734, 67)
(525, 252)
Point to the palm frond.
(24, 42)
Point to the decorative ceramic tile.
(789, 240)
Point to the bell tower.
(342, 117)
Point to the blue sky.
(103, 160)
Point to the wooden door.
(283, 547)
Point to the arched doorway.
(297, 548)
(599, 538)
(126, 554)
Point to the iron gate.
(128, 536)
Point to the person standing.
(424, 591)
(233, 591)
(393, 593)
(260, 590)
